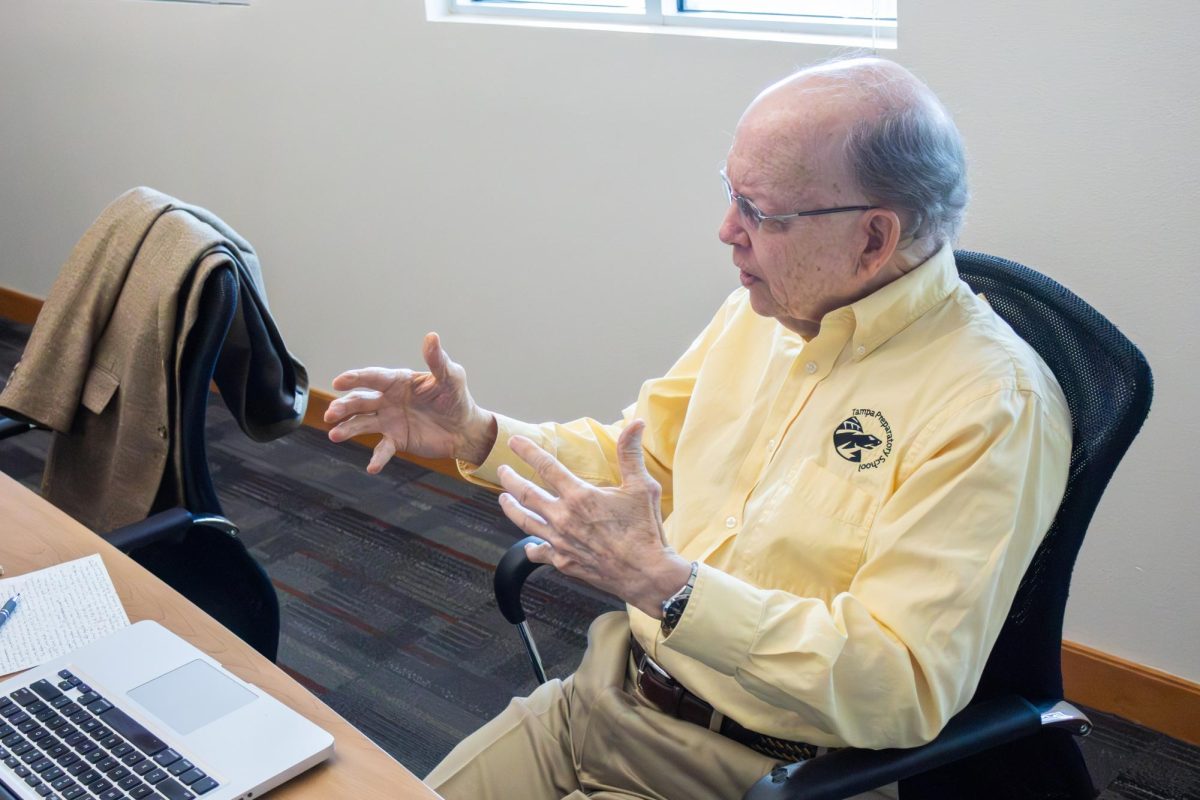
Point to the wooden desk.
(35, 534)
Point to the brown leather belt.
(673, 699)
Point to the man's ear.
(881, 227)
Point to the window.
(869, 23)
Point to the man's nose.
(732, 230)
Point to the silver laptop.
(143, 714)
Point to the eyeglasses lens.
(748, 212)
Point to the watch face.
(672, 613)
(673, 607)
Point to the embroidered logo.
(864, 439)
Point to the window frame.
(662, 16)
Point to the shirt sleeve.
(889, 661)
(589, 448)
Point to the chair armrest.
(11, 427)
(169, 524)
(845, 773)
(511, 572)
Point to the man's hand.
(428, 414)
(610, 537)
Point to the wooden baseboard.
(1141, 694)
(18, 306)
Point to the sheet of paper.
(62, 607)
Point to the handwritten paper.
(62, 607)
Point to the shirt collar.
(881, 315)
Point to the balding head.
(873, 123)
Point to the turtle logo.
(865, 432)
(850, 440)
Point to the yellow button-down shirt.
(863, 505)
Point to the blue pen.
(7, 611)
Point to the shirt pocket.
(832, 495)
(812, 531)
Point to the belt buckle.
(657, 686)
(646, 661)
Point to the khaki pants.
(594, 736)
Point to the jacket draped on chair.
(102, 365)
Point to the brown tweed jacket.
(101, 358)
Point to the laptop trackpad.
(191, 696)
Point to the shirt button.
(730, 522)
(810, 367)
(771, 445)
(860, 350)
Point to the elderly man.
(818, 518)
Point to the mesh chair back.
(202, 348)
(1108, 387)
(209, 567)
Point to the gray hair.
(910, 158)
(905, 152)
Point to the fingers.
(378, 378)
(355, 426)
(526, 492)
(358, 401)
(634, 475)
(539, 553)
(523, 518)
(528, 506)
(629, 453)
(435, 356)
(382, 455)
(548, 468)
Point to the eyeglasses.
(755, 218)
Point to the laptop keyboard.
(68, 742)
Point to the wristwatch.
(673, 606)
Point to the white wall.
(548, 199)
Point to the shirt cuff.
(506, 427)
(720, 623)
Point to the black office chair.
(187, 541)
(1015, 739)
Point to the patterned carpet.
(385, 588)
